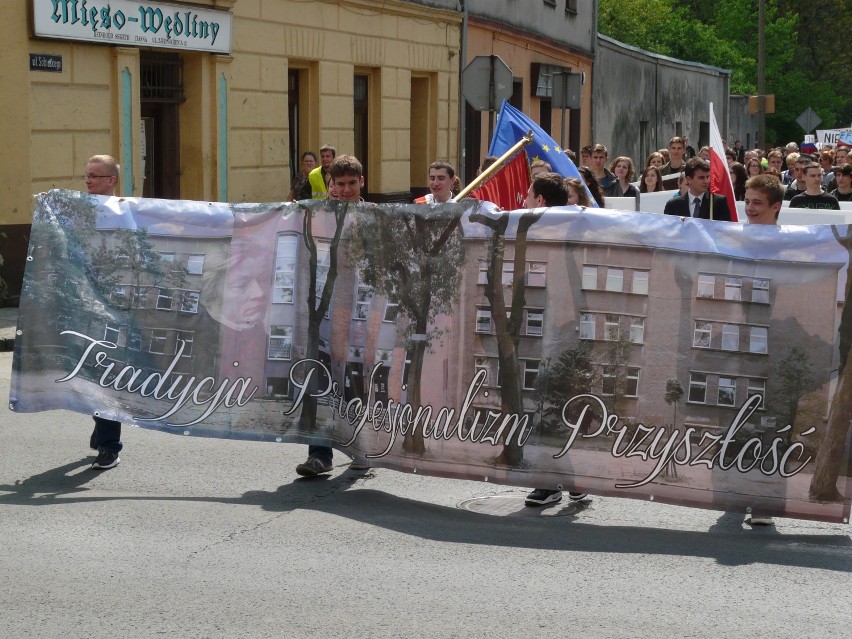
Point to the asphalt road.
(192, 537)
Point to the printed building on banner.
(705, 320)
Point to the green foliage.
(807, 60)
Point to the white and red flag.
(720, 176)
(508, 187)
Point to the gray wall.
(630, 86)
(742, 125)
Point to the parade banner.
(617, 353)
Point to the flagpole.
(491, 170)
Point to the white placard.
(135, 23)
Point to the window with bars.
(280, 342)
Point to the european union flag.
(512, 125)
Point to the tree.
(318, 301)
(414, 256)
(830, 455)
(508, 321)
(573, 372)
(794, 378)
(673, 395)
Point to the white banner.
(135, 23)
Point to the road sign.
(486, 82)
(809, 120)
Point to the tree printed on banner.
(829, 459)
(573, 372)
(413, 256)
(507, 321)
(318, 301)
(673, 396)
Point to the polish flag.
(508, 187)
(720, 176)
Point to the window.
(283, 287)
(611, 327)
(189, 301)
(697, 388)
(615, 280)
(701, 338)
(483, 272)
(112, 333)
(134, 339)
(571, 6)
(363, 299)
(734, 288)
(164, 299)
(278, 386)
(590, 277)
(631, 388)
(587, 326)
(280, 342)
(760, 291)
(730, 337)
(187, 338)
(481, 363)
(537, 274)
(535, 323)
(609, 379)
(384, 356)
(195, 264)
(727, 391)
(706, 286)
(530, 373)
(637, 330)
(483, 320)
(391, 311)
(118, 296)
(640, 282)
(323, 266)
(757, 387)
(168, 258)
(508, 273)
(758, 339)
(158, 341)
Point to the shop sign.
(134, 23)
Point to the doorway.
(162, 93)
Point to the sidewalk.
(8, 322)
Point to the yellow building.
(154, 84)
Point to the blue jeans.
(107, 435)
(323, 453)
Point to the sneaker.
(359, 466)
(93, 439)
(577, 496)
(105, 460)
(542, 496)
(313, 466)
(761, 520)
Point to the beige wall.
(519, 52)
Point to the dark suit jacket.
(680, 206)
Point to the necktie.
(696, 207)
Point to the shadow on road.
(725, 543)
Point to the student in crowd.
(813, 197)
(309, 163)
(775, 158)
(347, 180)
(753, 167)
(738, 179)
(586, 155)
(604, 176)
(441, 182)
(577, 193)
(592, 183)
(315, 186)
(704, 153)
(843, 175)
(676, 162)
(101, 178)
(548, 189)
(797, 184)
(651, 180)
(697, 201)
(656, 159)
(538, 167)
(790, 174)
(624, 173)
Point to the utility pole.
(761, 74)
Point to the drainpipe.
(462, 64)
